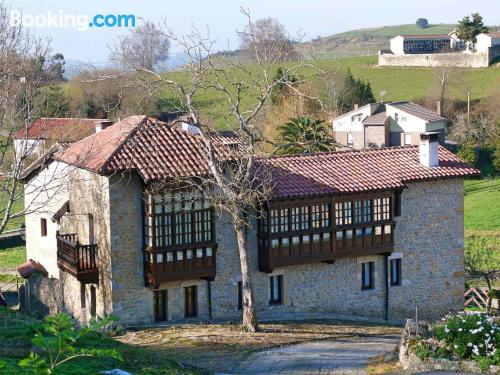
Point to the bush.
(471, 337)
(467, 152)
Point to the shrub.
(471, 337)
(467, 152)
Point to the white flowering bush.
(471, 337)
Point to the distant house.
(387, 124)
(413, 44)
(488, 43)
(42, 133)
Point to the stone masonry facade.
(428, 239)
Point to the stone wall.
(376, 136)
(462, 60)
(357, 138)
(429, 238)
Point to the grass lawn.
(16, 331)
(12, 253)
(221, 347)
(482, 205)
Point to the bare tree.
(147, 47)
(479, 130)
(237, 184)
(444, 75)
(22, 74)
(269, 38)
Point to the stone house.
(387, 124)
(372, 233)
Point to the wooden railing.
(76, 259)
(325, 246)
(180, 264)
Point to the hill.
(366, 41)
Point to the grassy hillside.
(399, 83)
(366, 41)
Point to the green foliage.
(468, 29)
(482, 205)
(303, 136)
(422, 23)
(282, 79)
(470, 336)
(54, 102)
(58, 340)
(354, 91)
(467, 152)
(12, 252)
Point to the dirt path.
(345, 356)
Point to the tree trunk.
(249, 314)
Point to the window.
(358, 212)
(347, 213)
(300, 218)
(276, 289)
(350, 140)
(160, 305)
(381, 209)
(367, 275)
(188, 216)
(395, 269)
(320, 216)
(367, 211)
(93, 301)
(397, 203)
(91, 229)
(396, 117)
(43, 227)
(190, 302)
(339, 217)
(240, 295)
(407, 139)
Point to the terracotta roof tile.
(357, 171)
(68, 129)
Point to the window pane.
(189, 254)
(387, 229)
(326, 236)
(339, 235)
(359, 233)
(275, 243)
(285, 241)
(305, 239)
(348, 234)
(295, 240)
(368, 231)
(378, 231)
(208, 251)
(199, 253)
(316, 238)
(180, 255)
(170, 257)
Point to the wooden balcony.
(325, 246)
(76, 259)
(179, 264)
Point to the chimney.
(356, 106)
(189, 127)
(438, 107)
(101, 125)
(428, 149)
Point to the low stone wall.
(461, 60)
(410, 362)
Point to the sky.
(311, 18)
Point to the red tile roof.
(69, 129)
(153, 148)
(358, 171)
(157, 150)
(27, 268)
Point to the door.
(160, 305)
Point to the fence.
(477, 298)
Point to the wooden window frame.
(43, 227)
(279, 300)
(370, 268)
(397, 263)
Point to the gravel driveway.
(347, 356)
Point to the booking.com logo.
(81, 22)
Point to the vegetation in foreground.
(462, 337)
(92, 351)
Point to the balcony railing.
(179, 264)
(325, 246)
(76, 259)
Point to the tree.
(422, 23)
(468, 29)
(302, 135)
(270, 39)
(146, 46)
(23, 73)
(480, 129)
(239, 185)
(482, 260)
(54, 102)
(354, 91)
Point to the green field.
(405, 83)
(482, 205)
(12, 253)
(390, 31)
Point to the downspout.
(386, 278)
(209, 295)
